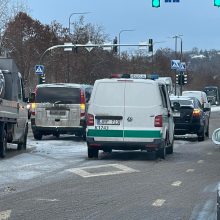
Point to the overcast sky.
(196, 20)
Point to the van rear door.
(141, 107)
(57, 107)
(108, 110)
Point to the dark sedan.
(190, 117)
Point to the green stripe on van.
(127, 134)
(142, 134)
(104, 133)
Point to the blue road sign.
(175, 64)
(39, 69)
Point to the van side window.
(163, 96)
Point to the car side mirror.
(216, 136)
(206, 107)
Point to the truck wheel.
(23, 144)
(37, 135)
(3, 145)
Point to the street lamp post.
(68, 61)
(75, 13)
(119, 39)
(181, 53)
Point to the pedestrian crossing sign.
(39, 69)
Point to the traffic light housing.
(115, 48)
(185, 79)
(42, 79)
(155, 3)
(150, 47)
(177, 78)
(217, 3)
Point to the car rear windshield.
(211, 92)
(183, 102)
(59, 95)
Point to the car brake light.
(158, 121)
(82, 103)
(196, 112)
(90, 120)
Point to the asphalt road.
(54, 179)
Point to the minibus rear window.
(59, 95)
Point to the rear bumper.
(186, 128)
(102, 145)
(60, 130)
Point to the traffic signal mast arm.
(89, 46)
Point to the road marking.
(209, 153)
(158, 202)
(4, 215)
(190, 170)
(83, 173)
(177, 183)
(200, 161)
(48, 200)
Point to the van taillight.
(82, 103)
(32, 108)
(158, 121)
(90, 120)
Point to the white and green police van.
(129, 114)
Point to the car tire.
(201, 135)
(3, 145)
(169, 149)
(37, 135)
(92, 153)
(23, 144)
(162, 151)
(207, 131)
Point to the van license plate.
(108, 122)
(57, 112)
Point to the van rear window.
(60, 95)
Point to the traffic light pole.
(89, 46)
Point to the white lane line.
(47, 200)
(158, 202)
(177, 183)
(209, 153)
(200, 161)
(83, 173)
(4, 215)
(190, 170)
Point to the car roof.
(67, 85)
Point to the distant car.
(212, 93)
(190, 117)
(201, 96)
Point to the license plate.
(108, 122)
(57, 112)
(176, 114)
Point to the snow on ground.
(41, 157)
